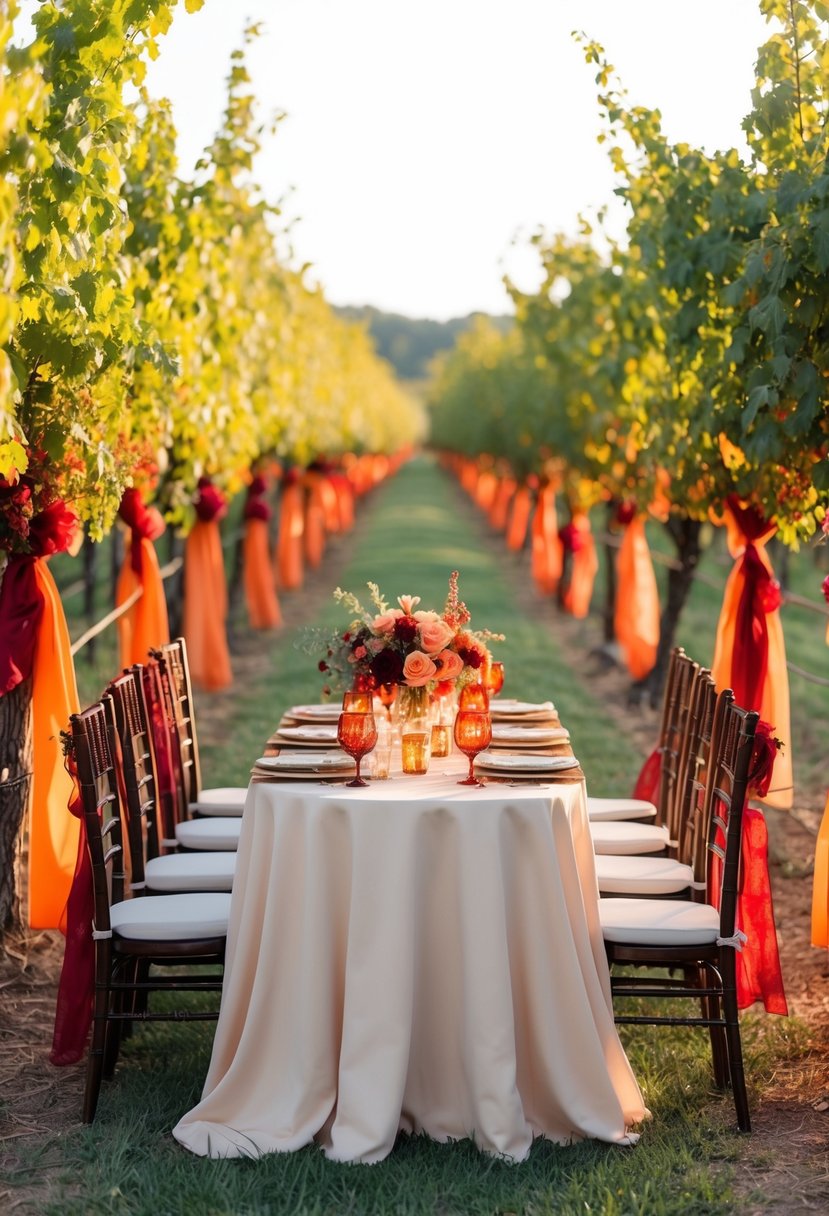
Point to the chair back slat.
(175, 656)
(93, 743)
(732, 745)
(130, 717)
(693, 766)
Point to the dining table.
(415, 956)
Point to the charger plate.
(515, 763)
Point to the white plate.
(509, 732)
(309, 762)
(512, 762)
(329, 712)
(324, 733)
(506, 705)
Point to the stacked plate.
(524, 766)
(528, 737)
(329, 712)
(306, 735)
(506, 710)
(305, 766)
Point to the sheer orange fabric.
(289, 540)
(314, 529)
(519, 519)
(576, 599)
(546, 548)
(205, 607)
(485, 489)
(501, 504)
(330, 505)
(145, 626)
(750, 653)
(636, 616)
(261, 599)
(820, 884)
(345, 501)
(53, 832)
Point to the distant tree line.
(410, 343)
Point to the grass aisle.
(414, 532)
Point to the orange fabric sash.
(314, 530)
(486, 489)
(205, 607)
(750, 641)
(501, 504)
(145, 626)
(820, 884)
(53, 833)
(583, 568)
(636, 616)
(260, 586)
(289, 539)
(519, 519)
(546, 549)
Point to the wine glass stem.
(471, 763)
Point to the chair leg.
(735, 1055)
(95, 1060)
(114, 1030)
(711, 1008)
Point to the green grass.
(414, 532)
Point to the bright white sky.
(424, 137)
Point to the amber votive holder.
(415, 750)
(441, 741)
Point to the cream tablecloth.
(413, 956)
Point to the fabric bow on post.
(291, 528)
(258, 575)
(144, 626)
(636, 615)
(34, 642)
(205, 593)
(750, 653)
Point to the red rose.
(825, 588)
(387, 667)
(405, 628)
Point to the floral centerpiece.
(421, 651)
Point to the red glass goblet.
(494, 678)
(357, 735)
(473, 696)
(473, 734)
(357, 700)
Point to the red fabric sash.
(73, 1014)
(650, 774)
(145, 523)
(21, 611)
(760, 595)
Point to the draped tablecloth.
(414, 956)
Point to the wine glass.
(474, 697)
(387, 694)
(357, 700)
(473, 733)
(494, 678)
(357, 735)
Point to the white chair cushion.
(638, 875)
(600, 810)
(618, 837)
(169, 918)
(659, 922)
(222, 800)
(214, 832)
(209, 871)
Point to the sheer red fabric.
(21, 612)
(650, 775)
(73, 1012)
(750, 653)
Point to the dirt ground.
(785, 1160)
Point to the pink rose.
(418, 669)
(451, 664)
(385, 623)
(360, 652)
(435, 635)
